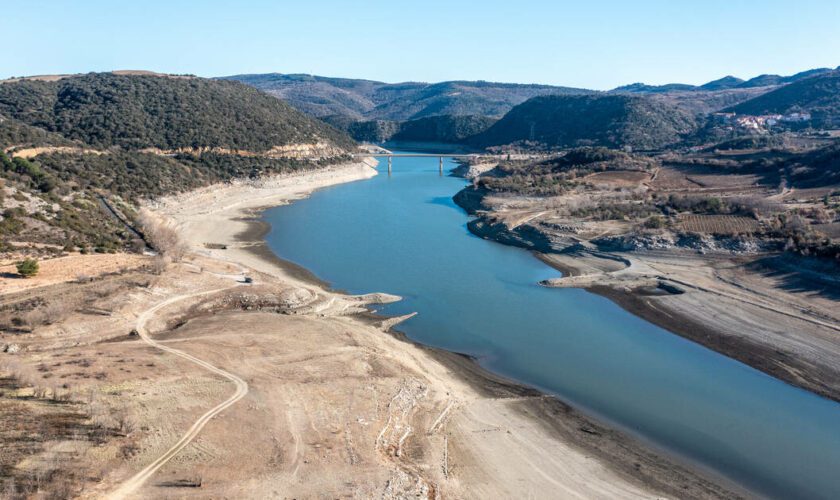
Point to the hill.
(654, 89)
(775, 80)
(451, 129)
(718, 94)
(364, 130)
(727, 82)
(818, 95)
(445, 128)
(76, 150)
(143, 111)
(366, 99)
(611, 120)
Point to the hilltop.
(460, 111)
(728, 82)
(611, 120)
(143, 111)
(366, 99)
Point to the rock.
(11, 348)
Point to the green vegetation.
(444, 128)
(364, 100)
(606, 120)
(818, 95)
(751, 142)
(820, 167)
(372, 130)
(27, 268)
(557, 175)
(15, 133)
(133, 112)
(81, 197)
(29, 172)
(727, 82)
(451, 129)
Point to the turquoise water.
(402, 234)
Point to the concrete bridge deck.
(420, 155)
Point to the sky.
(597, 44)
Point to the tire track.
(135, 482)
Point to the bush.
(27, 268)
(655, 222)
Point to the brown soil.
(334, 407)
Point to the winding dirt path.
(134, 483)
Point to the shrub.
(655, 222)
(27, 268)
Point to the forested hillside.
(366, 99)
(446, 128)
(451, 129)
(818, 95)
(75, 150)
(138, 111)
(611, 120)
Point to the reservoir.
(402, 234)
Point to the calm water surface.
(402, 234)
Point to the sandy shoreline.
(329, 400)
(790, 336)
(626, 467)
(774, 313)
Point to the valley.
(362, 342)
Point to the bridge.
(441, 156)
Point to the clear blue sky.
(587, 43)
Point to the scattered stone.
(11, 348)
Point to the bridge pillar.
(441, 165)
(390, 158)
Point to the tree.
(27, 268)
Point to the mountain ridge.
(369, 99)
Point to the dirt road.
(135, 482)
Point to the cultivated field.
(718, 224)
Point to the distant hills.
(463, 111)
(371, 100)
(612, 120)
(818, 95)
(442, 128)
(726, 83)
(140, 111)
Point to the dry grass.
(43, 433)
(51, 312)
(72, 267)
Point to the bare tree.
(162, 236)
(159, 264)
(52, 312)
